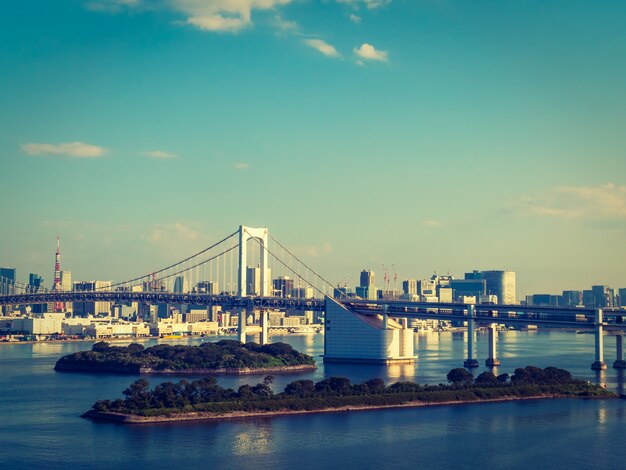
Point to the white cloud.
(241, 166)
(222, 15)
(112, 6)
(286, 25)
(605, 202)
(323, 47)
(369, 52)
(159, 154)
(71, 149)
(355, 18)
(369, 4)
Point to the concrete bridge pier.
(241, 324)
(599, 363)
(619, 348)
(492, 360)
(264, 327)
(470, 361)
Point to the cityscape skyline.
(468, 136)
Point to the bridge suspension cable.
(153, 275)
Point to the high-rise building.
(66, 281)
(7, 281)
(588, 298)
(500, 284)
(35, 282)
(409, 287)
(180, 285)
(84, 309)
(571, 298)
(622, 297)
(283, 286)
(253, 280)
(367, 278)
(603, 296)
(208, 287)
(468, 288)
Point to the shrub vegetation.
(334, 392)
(224, 354)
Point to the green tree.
(459, 376)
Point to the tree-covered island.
(206, 399)
(222, 357)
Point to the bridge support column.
(470, 361)
(241, 325)
(619, 347)
(492, 360)
(599, 363)
(264, 327)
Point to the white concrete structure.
(351, 337)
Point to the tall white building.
(66, 281)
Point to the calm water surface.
(40, 424)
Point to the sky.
(428, 135)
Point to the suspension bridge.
(250, 271)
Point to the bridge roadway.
(514, 315)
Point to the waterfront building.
(588, 298)
(498, 283)
(350, 337)
(622, 297)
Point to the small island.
(222, 357)
(204, 399)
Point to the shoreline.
(211, 416)
(224, 371)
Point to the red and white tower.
(58, 306)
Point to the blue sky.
(441, 135)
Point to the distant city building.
(83, 309)
(622, 297)
(283, 286)
(543, 300)
(468, 288)
(7, 281)
(498, 283)
(603, 297)
(208, 287)
(588, 299)
(35, 282)
(367, 293)
(367, 278)
(409, 287)
(66, 281)
(571, 298)
(427, 290)
(180, 285)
